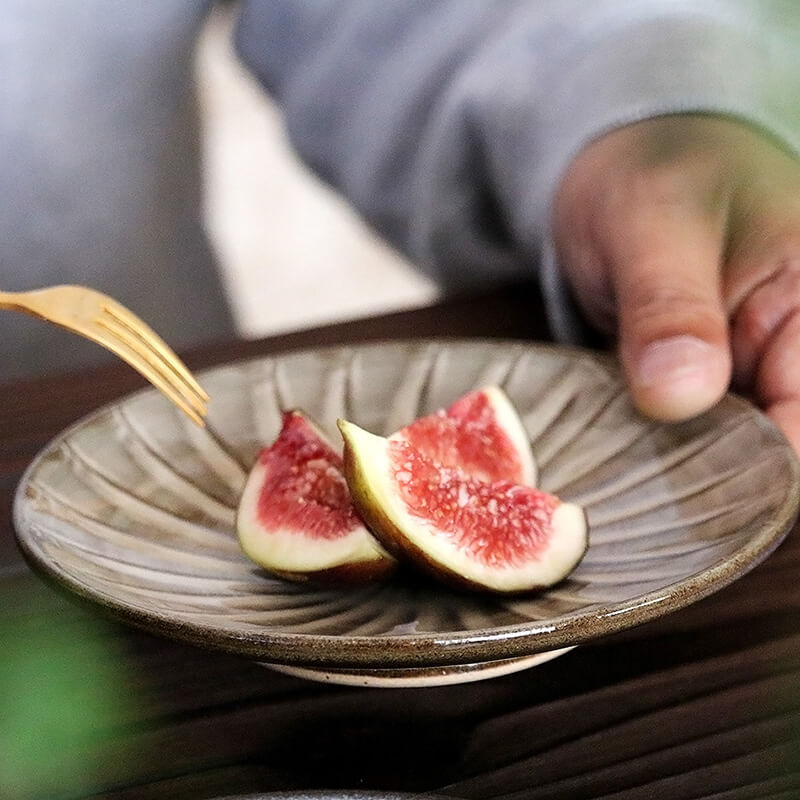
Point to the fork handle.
(14, 301)
(8, 299)
(21, 301)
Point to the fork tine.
(147, 335)
(162, 358)
(192, 406)
(140, 345)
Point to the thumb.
(672, 324)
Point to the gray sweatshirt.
(447, 124)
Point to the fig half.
(497, 536)
(295, 517)
(481, 433)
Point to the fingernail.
(683, 360)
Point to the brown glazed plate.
(133, 508)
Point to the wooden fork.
(103, 320)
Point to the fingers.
(672, 323)
(777, 377)
(763, 288)
(760, 315)
(786, 415)
(640, 222)
(763, 270)
(683, 235)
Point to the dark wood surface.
(704, 703)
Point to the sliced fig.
(499, 535)
(481, 433)
(295, 516)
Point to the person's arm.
(453, 127)
(448, 124)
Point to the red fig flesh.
(481, 434)
(295, 516)
(492, 535)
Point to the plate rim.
(453, 648)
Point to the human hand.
(680, 236)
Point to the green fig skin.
(380, 524)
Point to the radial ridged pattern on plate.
(134, 506)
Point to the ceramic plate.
(133, 508)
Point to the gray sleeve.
(448, 123)
(99, 175)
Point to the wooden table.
(702, 704)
